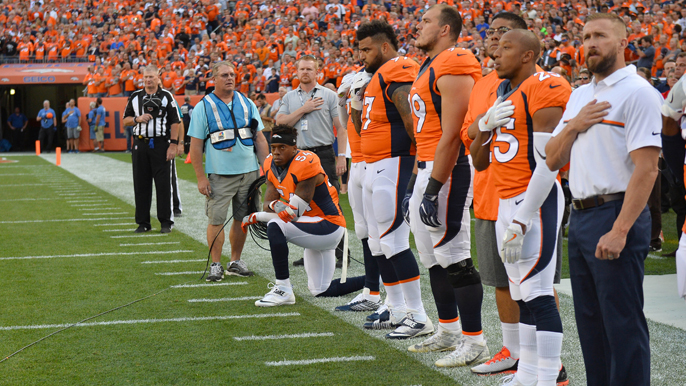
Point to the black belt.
(421, 164)
(318, 148)
(592, 202)
(143, 138)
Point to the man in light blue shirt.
(71, 117)
(46, 135)
(228, 125)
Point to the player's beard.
(601, 65)
(374, 66)
(429, 45)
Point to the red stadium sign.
(36, 73)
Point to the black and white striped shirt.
(161, 105)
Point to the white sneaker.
(511, 380)
(410, 328)
(279, 295)
(442, 340)
(466, 354)
(501, 363)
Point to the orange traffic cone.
(37, 147)
(58, 156)
(188, 159)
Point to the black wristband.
(433, 187)
(410, 184)
(174, 141)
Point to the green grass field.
(67, 253)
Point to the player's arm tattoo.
(270, 195)
(356, 117)
(402, 103)
(305, 188)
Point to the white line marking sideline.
(17, 185)
(63, 219)
(26, 199)
(287, 336)
(78, 206)
(178, 273)
(322, 360)
(209, 285)
(118, 230)
(161, 243)
(224, 300)
(172, 261)
(106, 208)
(112, 225)
(138, 321)
(95, 255)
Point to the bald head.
(525, 40)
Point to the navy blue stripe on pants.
(608, 298)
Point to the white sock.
(473, 339)
(452, 327)
(394, 297)
(284, 283)
(511, 338)
(366, 294)
(527, 370)
(549, 347)
(413, 299)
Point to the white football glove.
(360, 83)
(673, 105)
(497, 116)
(344, 88)
(512, 244)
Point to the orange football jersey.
(383, 131)
(303, 166)
(512, 152)
(425, 97)
(354, 139)
(482, 98)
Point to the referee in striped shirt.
(155, 119)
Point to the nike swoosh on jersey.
(519, 202)
(554, 86)
(406, 67)
(379, 171)
(671, 99)
(658, 133)
(460, 54)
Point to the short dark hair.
(647, 38)
(516, 20)
(261, 96)
(377, 29)
(451, 17)
(98, 101)
(285, 129)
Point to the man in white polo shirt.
(610, 132)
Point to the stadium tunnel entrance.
(29, 98)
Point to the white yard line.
(88, 205)
(104, 214)
(178, 273)
(172, 261)
(287, 336)
(76, 194)
(224, 299)
(140, 321)
(160, 243)
(148, 235)
(113, 225)
(321, 360)
(27, 199)
(62, 220)
(119, 230)
(111, 207)
(95, 255)
(18, 185)
(209, 285)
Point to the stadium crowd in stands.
(265, 38)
